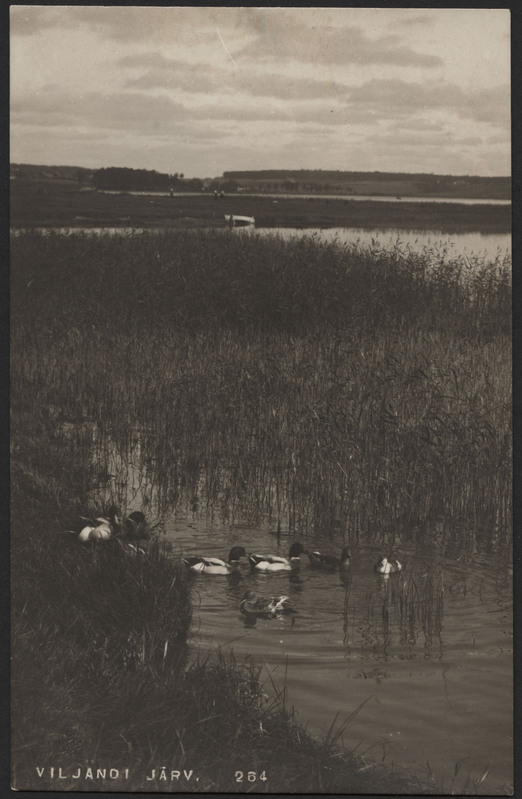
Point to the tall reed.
(317, 386)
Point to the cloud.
(166, 73)
(136, 112)
(407, 21)
(416, 124)
(407, 139)
(182, 25)
(395, 96)
(270, 33)
(145, 114)
(28, 20)
(284, 37)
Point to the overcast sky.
(204, 90)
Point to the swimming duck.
(320, 561)
(100, 529)
(387, 565)
(276, 563)
(212, 565)
(264, 606)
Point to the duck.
(320, 561)
(101, 528)
(134, 526)
(276, 563)
(387, 565)
(264, 606)
(213, 565)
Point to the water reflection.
(424, 647)
(496, 246)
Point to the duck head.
(236, 553)
(296, 550)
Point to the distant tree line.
(337, 176)
(125, 179)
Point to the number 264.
(251, 776)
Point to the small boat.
(233, 220)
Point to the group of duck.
(134, 527)
(253, 605)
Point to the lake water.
(432, 676)
(455, 244)
(419, 663)
(294, 196)
(471, 245)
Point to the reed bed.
(358, 393)
(190, 281)
(318, 387)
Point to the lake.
(295, 196)
(432, 682)
(420, 663)
(455, 244)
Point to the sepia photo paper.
(261, 391)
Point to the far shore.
(54, 205)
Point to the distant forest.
(108, 179)
(302, 181)
(400, 184)
(130, 179)
(335, 176)
(124, 179)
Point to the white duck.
(102, 528)
(387, 565)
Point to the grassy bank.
(324, 388)
(40, 203)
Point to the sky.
(201, 91)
